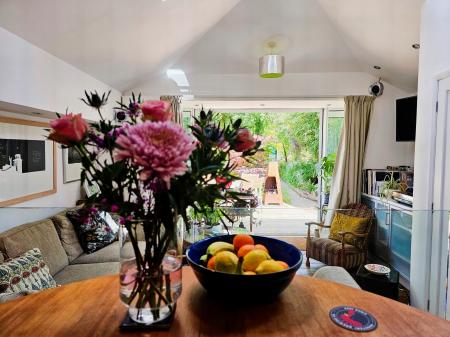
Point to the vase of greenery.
(149, 171)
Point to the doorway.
(291, 178)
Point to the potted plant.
(390, 185)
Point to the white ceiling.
(123, 43)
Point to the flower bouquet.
(149, 171)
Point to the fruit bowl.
(234, 286)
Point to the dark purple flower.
(133, 109)
(114, 208)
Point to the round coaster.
(353, 319)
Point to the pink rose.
(244, 141)
(158, 111)
(69, 129)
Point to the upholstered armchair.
(345, 248)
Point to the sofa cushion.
(40, 234)
(79, 272)
(110, 253)
(68, 236)
(92, 230)
(27, 272)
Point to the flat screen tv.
(406, 114)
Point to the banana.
(219, 246)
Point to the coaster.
(353, 319)
(129, 325)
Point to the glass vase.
(150, 269)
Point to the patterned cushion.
(92, 230)
(27, 272)
(345, 223)
(330, 252)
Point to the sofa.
(61, 250)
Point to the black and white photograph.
(71, 165)
(19, 156)
(27, 167)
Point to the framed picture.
(27, 161)
(71, 165)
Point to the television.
(406, 114)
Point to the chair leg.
(307, 262)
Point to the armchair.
(341, 253)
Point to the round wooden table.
(93, 308)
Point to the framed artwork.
(27, 161)
(71, 165)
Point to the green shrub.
(302, 175)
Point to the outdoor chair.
(340, 252)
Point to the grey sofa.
(58, 242)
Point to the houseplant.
(390, 185)
(149, 172)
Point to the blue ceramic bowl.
(255, 286)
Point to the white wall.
(382, 149)
(31, 77)
(434, 60)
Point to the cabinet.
(390, 239)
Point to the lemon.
(269, 266)
(253, 258)
(226, 262)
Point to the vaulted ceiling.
(124, 43)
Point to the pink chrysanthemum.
(160, 148)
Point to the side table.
(384, 285)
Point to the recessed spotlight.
(36, 113)
(377, 67)
(416, 46)
(262, 104)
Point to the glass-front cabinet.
(391, 235)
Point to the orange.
(212, 263)
(262, 247)
(283, 264)
(242, 239)
(244, 250)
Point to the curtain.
(347, 175)
(175, 101)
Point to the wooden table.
(92, 308)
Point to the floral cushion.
(93, 231)
(25, 273)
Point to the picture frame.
(28, 167)
(71, 165)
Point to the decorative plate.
(378, 269)
(353, 319)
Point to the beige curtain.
(347, 175)
(175, 101)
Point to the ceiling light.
(271, 66)
(178, 76)
(184, 90)
(416, 46)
